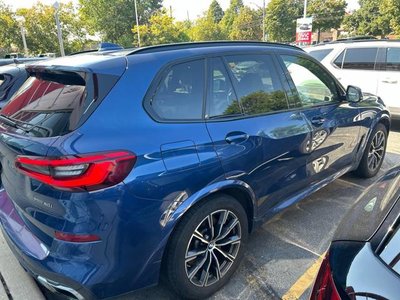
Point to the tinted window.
(257, 84)
(179, 95)
(52, 104)
(339, 60)
(360, 58)
(393, 59)
(320, 54)
(314, 85)
(222, 100)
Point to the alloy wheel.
(213, 248)
(376, 150)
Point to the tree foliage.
(230, 14)
(161, 29)
(247, 25)
(281, 18)
(41, 30)
(205, 29)
(215, 11)
(114, 20)
(327, 14)
(10, 33)
(369, 19)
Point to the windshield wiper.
(9, 121)
(21, 124)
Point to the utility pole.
(56, 5)
(21, 20)
(263, 22)
(305, 9)
(137, 23)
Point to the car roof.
(354, 44)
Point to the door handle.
(318, 121)
(236, 137)
(389, 81)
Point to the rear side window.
(393, 59)
(53, 104)
(180, 93)
(339, 60)
(257, 84)
(320, 54)
(360, 58)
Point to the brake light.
(324, 286)
(80, 172)
(76, 238)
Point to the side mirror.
(354, 94)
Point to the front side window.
(360, 58)
(257, 84)
(393, 59)
(314, 85)
(179, 95)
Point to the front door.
(258, 140)
(334, 121)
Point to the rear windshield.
(53, 104)
(320, 54)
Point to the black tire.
(366, 169)
(183, 241)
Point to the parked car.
(10, 61)
(363, 261)
(372, 65)
(12, 77)
(121, 166)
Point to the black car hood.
(370, 209)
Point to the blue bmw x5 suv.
(118, 167)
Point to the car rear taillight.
(80, 172)
(324, 286)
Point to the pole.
(137, 23)
(263, 22)
(305, 9)
(59, 33)
(24, 41)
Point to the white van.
(372, 65)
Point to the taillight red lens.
(76, 238)
(324, 287)
(80, 172)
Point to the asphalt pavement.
(282, 256)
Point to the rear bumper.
(21, 240)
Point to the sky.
(180, 8)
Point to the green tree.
(10, 34)
(161, 29)
(391, 9)
(205, 29)
(327, 14)
(215, 11)
(281, 18)
(369, 19)
(114, 20)
(230, 15)
(41, 29)
(247, 25)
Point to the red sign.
(304, 37)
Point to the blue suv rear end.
(119, 166)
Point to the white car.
(372, 65)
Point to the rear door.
(389, 79)
(258, 140)
(357, 67)
(335, 131)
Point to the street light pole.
(59, 30)
(263, 22)
(305, 9)
(21, 20)
(137, 23)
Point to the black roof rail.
(188, 45)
